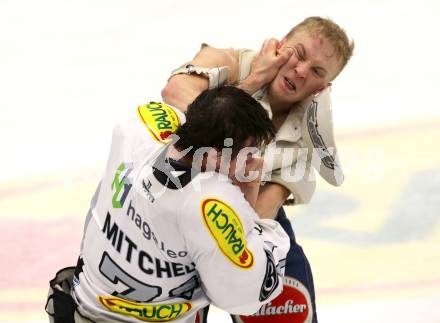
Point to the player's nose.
(302, 69)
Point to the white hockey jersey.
(162, 241)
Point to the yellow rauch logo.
(226, 228)
(145, 312)
(160, 120)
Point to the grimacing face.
(309, 70)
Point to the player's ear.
(212, 159)
(205, 159)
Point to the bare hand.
(269, 60)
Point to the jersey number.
(136, 290)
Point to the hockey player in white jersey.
(172, 227)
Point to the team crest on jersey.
(145, 312)
(227, 230)
(160, 120)
(293, 305)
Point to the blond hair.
(328, 29)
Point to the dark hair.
(224, 112)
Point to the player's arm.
(239, 257)
(270, 198)
(182, 89)
(250, 187)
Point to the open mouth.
(289, 84)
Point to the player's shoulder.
(214, 183)
(156, 118)
(153, 121)
(160, 120)
(216, 191)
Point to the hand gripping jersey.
(162, 241)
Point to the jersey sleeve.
(239, 257)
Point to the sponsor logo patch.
(227, 230)
(160, 120)
(145, 312)
(271, 281)
(293, 305)
(121, 184)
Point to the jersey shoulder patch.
(160, 120)
(225, 227)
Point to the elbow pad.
(317, 131)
